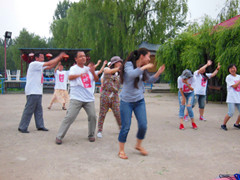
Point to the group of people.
(192, 89)
(131, 73)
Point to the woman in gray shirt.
(133, 76)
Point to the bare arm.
(216, 71)
(202, 69)
(56, 68)
(72, 77)
(52, 63)
(183, 97)
(160, 71)
(99, 61)
(92, 70)
(103, 66)
(236, 84)
(188, 85)
(111, 71)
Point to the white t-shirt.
(61, 78)
(200, 84)
(34, 84)
(82, 88)
(184, 87)
(233, 94)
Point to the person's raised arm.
(216, 70)
(56, 68)
(52, 63)
(103, 66)
(160, 71)
(99, 61)
(111, 71)
(202, 69)
(92, 70)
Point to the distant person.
(233, 96)
(34, 91)
(200, 87)
(82, 80)
(186, 96)
(133, 76)
(98, 72)
(109, 96)
(60, 89)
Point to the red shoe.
(202, 118)
(194, 126)
(181, 127)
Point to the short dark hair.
(77, 53)
(230, 66)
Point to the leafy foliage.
(230, 9)
(116, 27)
(191, 49)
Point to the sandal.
(122, 155)
(63, 108)
(142, 150)
(49, 107)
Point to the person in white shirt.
(186, 96)
(233, 96)
(82, 80)
(200, 87)
(98, 72)
(60, 88)
(34, 91)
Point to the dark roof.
(150, 47)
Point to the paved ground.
(173, 154)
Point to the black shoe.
(58, 141)
(236, 126)
(42, 129)
(23, 131)
(224, 127)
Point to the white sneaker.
(99, 135)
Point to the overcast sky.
(37, 15)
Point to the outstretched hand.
(209, 62)
(218, 67)
(161, 69)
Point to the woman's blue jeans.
(126, 109)
(189, 101)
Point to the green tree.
(230, 9)
(24, 40)
(117, 27)
(61, 11)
